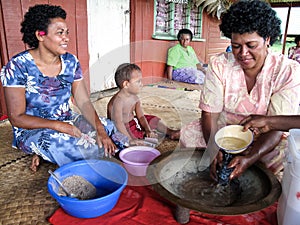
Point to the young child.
(125, 108)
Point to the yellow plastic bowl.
(233, 139)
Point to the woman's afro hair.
(38, 18)
(248, 16)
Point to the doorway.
(108, 32)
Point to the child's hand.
(136, 142)
(151, 134)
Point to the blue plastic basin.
(109, 178)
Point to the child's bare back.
(122, 105)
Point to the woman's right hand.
(217, 161)
(68, 128)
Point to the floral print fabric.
(188, 75)
(48, 97)
(276, 92)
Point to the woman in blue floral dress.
(38, 84)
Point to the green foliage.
(277, 46)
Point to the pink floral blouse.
(276, 92)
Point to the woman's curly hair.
(248, 16)
(38, 18)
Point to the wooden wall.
(11, 15)
(148, 53)
(151, 54)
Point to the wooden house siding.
(12, 15)
(151, 54)
(216, 43)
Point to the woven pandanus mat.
(175, 107)
(24, 197)
(8, 154)
(167, 145)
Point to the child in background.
(125, 109)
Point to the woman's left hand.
(240, 164)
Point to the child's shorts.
(137, 131)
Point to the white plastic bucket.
(288, 211)
(293, 155)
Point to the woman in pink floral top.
(250, 80)
(294, 52)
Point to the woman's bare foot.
(35, 162)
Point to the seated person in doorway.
(125, 109)
(250, 80)
(38, 84)
(182, 63)
(294, 52)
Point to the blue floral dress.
(48, 97)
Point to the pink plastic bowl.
(136, 159)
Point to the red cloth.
(137, 131)
(140, 205)
(3, 117)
